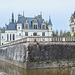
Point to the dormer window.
(35, 24)
(18, 27)
(26, 25)
(43, 25)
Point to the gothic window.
(26, 26)
(43, 26)
(35, 26)
(72, 29)
(7, 37)
(26, 33)
(10, 37)
(72, 20)
(43, 33)
(20, 34)
(51, 28)
(34, 34)
(13, 36)
(2, 37)
(18, 27)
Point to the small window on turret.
(18, 27)
(72, 20)
(72, 29)
(2, 37)
(20, 34)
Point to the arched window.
(13, 36)
(10, 37)
(72, 20)
(43, 33)
(26, 26)
(7, 37)
(35, 26)
(43, 26)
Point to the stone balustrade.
(41, 39)
(50, 39)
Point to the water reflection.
(13, 70)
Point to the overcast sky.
(59, 10)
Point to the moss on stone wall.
(50, 53)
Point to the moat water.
(13, 70)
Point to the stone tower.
(72, 24)
(50, 26)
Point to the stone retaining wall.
(15, 54)
(39, 55)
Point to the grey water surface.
(9, 69)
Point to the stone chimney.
(12, 18)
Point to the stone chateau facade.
(24, 27)
(72, 24)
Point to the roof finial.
(50, 23)
(23, 13)
(12, 17)
(49, 17)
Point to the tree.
(56, 32)
(64, 34)
(70, 35)
(61, 33)
(74, 34)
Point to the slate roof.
(22, 19)
(3, 30)
(11, 26)
(74, 13)
(49, 23)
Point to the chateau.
(24, 27)
(72, 24)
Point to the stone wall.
(50, 55)
(41, 52)
(15, 54)
(39, 55)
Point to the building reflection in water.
(13, 70)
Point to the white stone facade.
(36, 29)
(72, 24)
